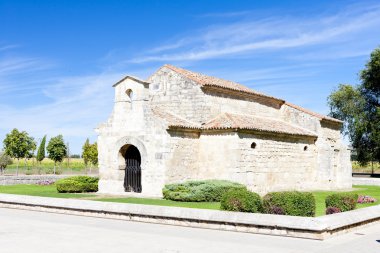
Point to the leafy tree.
(56, 149)
(5, 160)
(41, 150)
(85, 152)
(90, 153)
(19, 145)
(93, 154)
(359, 107)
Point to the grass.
(50, 191)
(373, 191)
(40, 190)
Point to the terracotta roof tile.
(205, 80)
(235, 121)
(227, 121)
(130, 77)
(174, 120)
(320, 116)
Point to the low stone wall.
(30, 179)
(365, 181)
(304, 227)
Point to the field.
(77, 166)
(50, 191)
(356, 167)
(30, 167)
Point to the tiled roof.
(205, 80)
(246, 122)
(227, 121)
(320, 116)
(174, 120)
(130, 77)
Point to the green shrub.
(199, 191)
(343, 201)
(290, 203)
(77, 184)
(241, 200)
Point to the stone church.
(180, 125)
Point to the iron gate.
(132, 180)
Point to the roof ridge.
(207, 80)
(315, 114)
(265, 118)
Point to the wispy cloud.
(8, 47)
(224, 14)
(242, 38)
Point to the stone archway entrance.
(132, 178)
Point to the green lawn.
(50, 191)
(40, 190)
(373, 191)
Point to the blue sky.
(59, 59)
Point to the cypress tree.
(85, 152)
(41, 150)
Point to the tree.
(90, 153)
(41, 150)
(56, 149)
(19, 145)
(5, 160)
(85, 152)
(359, 107)
(93, 154)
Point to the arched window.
(253, 145)
(305, 148)
(129, 93)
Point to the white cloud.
(273, 33)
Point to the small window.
(253, 145)
(129, 93)
(305, 148)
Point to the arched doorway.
(132, 178)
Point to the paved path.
(29, 231)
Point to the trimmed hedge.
(290, 203)
(199, 191)
(77, 184)
(343, 201)
(241, 200)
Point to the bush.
(199, 191)
(289, 203)
(241, 200)
(332, 210)
(77, 184)
(343, 201)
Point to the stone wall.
(178, 95)
(30, 179)
(277, 162)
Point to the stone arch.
(122, 144)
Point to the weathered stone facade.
(189, 126)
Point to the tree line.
(20, 145)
